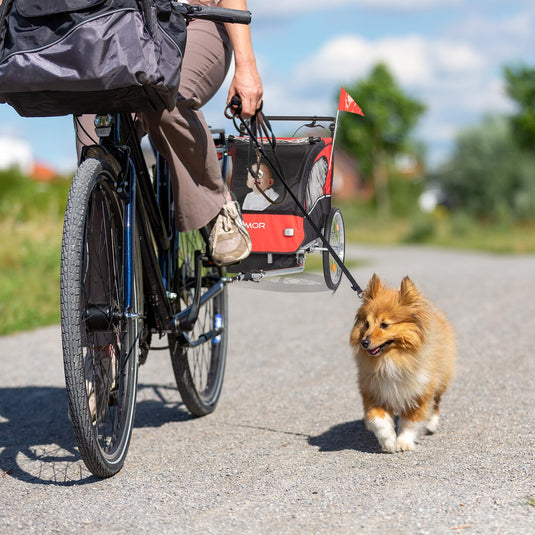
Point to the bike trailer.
(282, 230)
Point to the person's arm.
(246, 82)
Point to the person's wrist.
(244, 61)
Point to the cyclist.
(183, 137)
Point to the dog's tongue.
(375, 351)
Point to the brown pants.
(182, 136)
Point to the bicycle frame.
(150, 219)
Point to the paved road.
(286, 450)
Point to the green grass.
(31, 219)
(441, 229)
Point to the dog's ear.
(355, 336)
(408, 292)
(373, 288)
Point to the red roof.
(43, 172)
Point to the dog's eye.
(367, 324)
(384, 325)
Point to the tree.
(390, 116)
(488, 175)
(521, 88)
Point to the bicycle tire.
(199, 371)
(99, 336)
(335, 235)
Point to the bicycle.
(127, 274)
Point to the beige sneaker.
(229, 240)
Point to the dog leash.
(260, 123)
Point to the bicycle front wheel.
(199, 360)
(100, 331)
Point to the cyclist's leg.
(182, 135)
(84, 129)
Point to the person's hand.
(248, 86)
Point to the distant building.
(16, 153)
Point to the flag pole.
(334, 140)
(345, 103)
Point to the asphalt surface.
(286, 450)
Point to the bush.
(423, 229)
(461, 223)
(489, 176)
(404, 194)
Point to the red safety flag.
(346, 103)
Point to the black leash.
(259, 123)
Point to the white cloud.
(502, 40)
(15, 152)
(415, 61)
(342, 58)
(491, 98)
(456, 58)
(407, 57)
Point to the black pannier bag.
(60, 57)
(280, 234)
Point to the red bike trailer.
(296, 218)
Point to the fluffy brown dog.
(405, 352)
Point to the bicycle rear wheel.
(199, 362)
(100, 334)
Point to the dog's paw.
(385, 432)
(389, 445)
(403, 444)
(432, 425)
(409, 434)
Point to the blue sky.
(447, 53)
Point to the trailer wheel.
(335, 235)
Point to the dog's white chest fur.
(395, 386)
